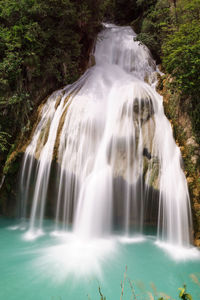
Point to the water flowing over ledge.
(117, 164)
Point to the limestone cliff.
(177, 111)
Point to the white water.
(117, 163)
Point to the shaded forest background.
(45, 44)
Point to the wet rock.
(176, 109)
(143, 109)
(197, 243)
(146, 153)
(92, 61)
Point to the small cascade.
(103, 154)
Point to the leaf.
(182, 291)
(188, 296)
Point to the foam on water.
(31, 235)
(73, 257)
(179, 253)
(132, 240)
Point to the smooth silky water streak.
(79, 141)
(111, 130)
(29, 166)
(41, 149)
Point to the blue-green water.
(61, 267)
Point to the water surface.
(59, 266)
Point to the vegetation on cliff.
(171, 30)
(43, 45)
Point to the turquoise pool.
(60, 266)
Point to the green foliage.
(181, 56)
(183, 294)
(4, 141)
(171, 31)
(156, 23)
(43, 45)
(35, 36)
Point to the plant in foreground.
(157, 296)
(183, 294)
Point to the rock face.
(177, 110)
(141, 142)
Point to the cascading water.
(117, 163)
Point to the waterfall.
(103, 154)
